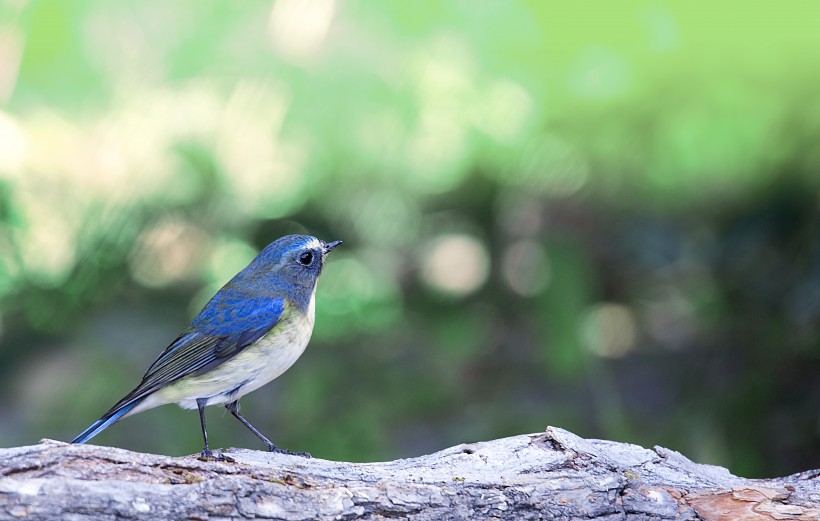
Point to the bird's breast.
(280, 347)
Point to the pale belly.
(256, 365)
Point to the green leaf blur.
(597, 216)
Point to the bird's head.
(289, 264)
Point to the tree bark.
(551, 475)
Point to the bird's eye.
(305, 258)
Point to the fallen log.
(550, 475)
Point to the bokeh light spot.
(297, 28)
(526, 268)
(504, 109)
(13, 143)
(608, 330)
(169, 252)
(455, 264)
(47, 241)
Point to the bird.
(252, 330)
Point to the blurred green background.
(601, 216)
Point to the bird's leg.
(234, 408)
(206, 453)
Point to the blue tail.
(108, 419)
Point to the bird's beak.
(330, 246)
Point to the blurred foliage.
(604, 219)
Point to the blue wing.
(222, 330)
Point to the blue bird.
(249, 333)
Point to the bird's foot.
(208, 455)
(273, 448)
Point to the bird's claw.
(277, 450)
(208, 455)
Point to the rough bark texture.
(551, 475)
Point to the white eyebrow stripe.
(314, 243)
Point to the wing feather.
(209, 344)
